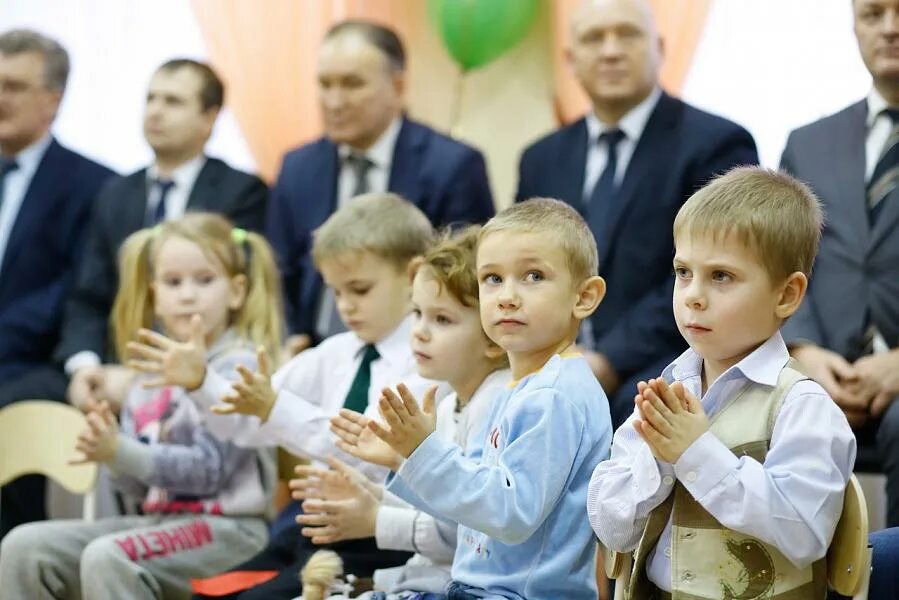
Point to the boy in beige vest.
(728, 479)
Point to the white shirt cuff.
(704, 465)
(79, 360)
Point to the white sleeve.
(625, 489)
(793, 501)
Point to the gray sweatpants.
(123, 557)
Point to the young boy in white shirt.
(519, 502)
(728, 479)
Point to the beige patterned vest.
(708, 561)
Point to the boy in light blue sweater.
(520, 499)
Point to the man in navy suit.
(369, 146)
(628, 166)
(46, 193)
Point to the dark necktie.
(7, 165)
(360, 165)
(605, 192)
(158, 216)
(886, 172)
(357, 397)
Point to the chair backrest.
(847, 557)
(38, 436)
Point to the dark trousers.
(878, 450)
(23, 500)
(288, 551)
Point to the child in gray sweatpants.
(204, 500)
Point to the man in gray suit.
(847, 332)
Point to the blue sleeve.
(540, 440)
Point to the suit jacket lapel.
(203, 195)
(649, 149)
(39, 195)
(569, 170)
(848, 172)
(406, 164)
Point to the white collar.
(876, 105)
(632, 124)
(381, 152)
(394, 347)
(762, 365)
(30, 157)
(184, 174)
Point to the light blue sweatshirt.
(521, 500)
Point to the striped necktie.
(886, 172)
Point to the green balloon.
(477, 31)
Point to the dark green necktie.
(357, 397)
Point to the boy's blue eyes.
(531, 276)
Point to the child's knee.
(100, 556)
(23, 541)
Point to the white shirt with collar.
(792, 501)
(184, 177)
(380, 154)
(311, 388)
(632, 125)
(16, 184)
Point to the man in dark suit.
(46, 193)
(369, 146)
(183, 102)
(846, 333)
(628, 166)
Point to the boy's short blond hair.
(777, 216)
(558, 219)
(384, 224)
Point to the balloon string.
(456, 112)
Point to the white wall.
(114, 47)
(773, 65)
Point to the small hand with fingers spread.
(671, 418)
(337, 504)
(354, 437)
(253, 393)
(408, 424)
(100, 439)
(171, 362)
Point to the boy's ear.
(589, 295)
(791, 295)
(414, 265)
(238, 292)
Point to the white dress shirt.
(381, 156)
(632, 125)
(793, 501)
(184, 177)
(311, 388)
(15, 187)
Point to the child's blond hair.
(558, 219)
(776, 216)
(384, 224)
(239, 252)
(451, 262)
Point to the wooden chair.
(848, 557)
(38, 436)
